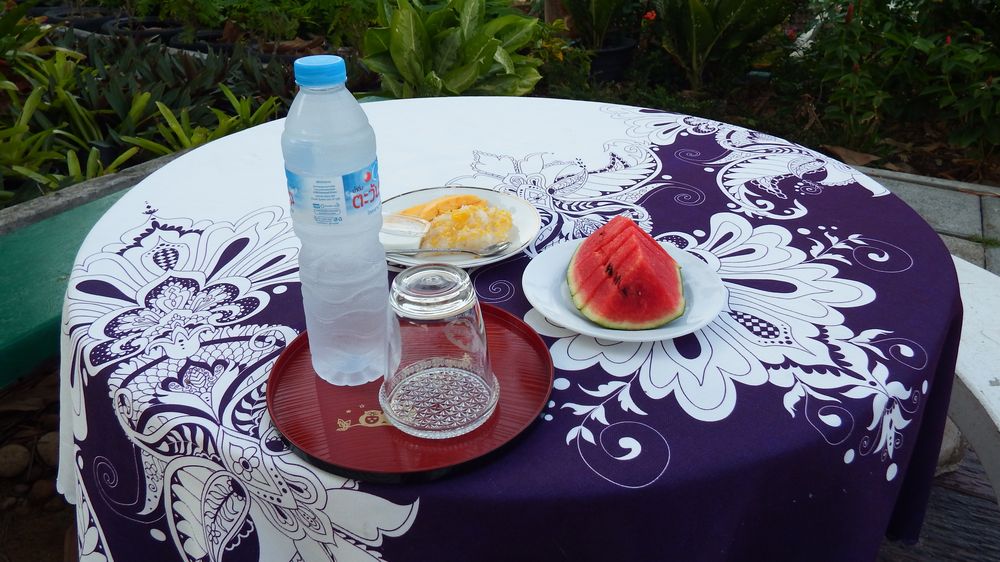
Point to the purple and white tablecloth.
(803, 424)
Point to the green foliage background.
(814, 71)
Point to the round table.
(803, 423)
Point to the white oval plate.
(545, 287)
(527, 223)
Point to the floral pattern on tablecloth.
(792, 337)
(169, 321)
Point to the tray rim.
(431, 472)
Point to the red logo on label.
(368, 176)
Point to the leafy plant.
(71, 103)
(267, 20)
(451, 49)
(180, 133)
(591, 19)
(966, 85)
(193, 14)
(698, 34)
(24, 152)
(919, 51)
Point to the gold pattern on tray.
(370, 418)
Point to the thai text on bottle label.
(333, 200)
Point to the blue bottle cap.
(320, 70)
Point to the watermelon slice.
(621, 278)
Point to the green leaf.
(480, 49)
(30, 105)
(702, 32)
(48, 181)
(154, 147)
(513, 31)
(518, 84)
(460, 79)
(93, 163)
(138, 108)
(384, 12)
(439, 21)
(505, 61)
(446, 54)
(471, 13)
(73, 165)
(392, 86)
(922, 45)
(122, 158)
(178, 131)
(408, 43)
(376, 40)
(382, 64)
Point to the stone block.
(970, 251)
(948, 212)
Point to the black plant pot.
(84, 18)
(204, 41)
(142, 28)
(609, 63)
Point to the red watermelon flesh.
(597, 245)
(628, 282)
(593, 270)
(589, 265)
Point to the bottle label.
(334, 200)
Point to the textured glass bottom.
(440, 402)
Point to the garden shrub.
(907, 61)
(76, 109)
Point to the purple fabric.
(796, 426)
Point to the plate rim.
(601, 332)
(410, 261)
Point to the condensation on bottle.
(333, 191)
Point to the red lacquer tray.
(342, 428)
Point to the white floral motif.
(166, 318)
(783, 322)
(573, 196)
(762, 175)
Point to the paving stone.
(993, 260)
(948, 212)
(991, 232)
(969, 251)
(991, 217)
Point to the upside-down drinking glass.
(444, 386)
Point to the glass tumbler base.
(440, 402)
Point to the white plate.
(545, 286)
(527, 223)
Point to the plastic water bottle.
(333, 189)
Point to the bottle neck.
(324, 89)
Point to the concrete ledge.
(964, 187)
(30, 212)
(38, 241)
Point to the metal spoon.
(486, 252)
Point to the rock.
(48, 448)
(14, 460)
(21, 490)
(952, 449)
(42, 490)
